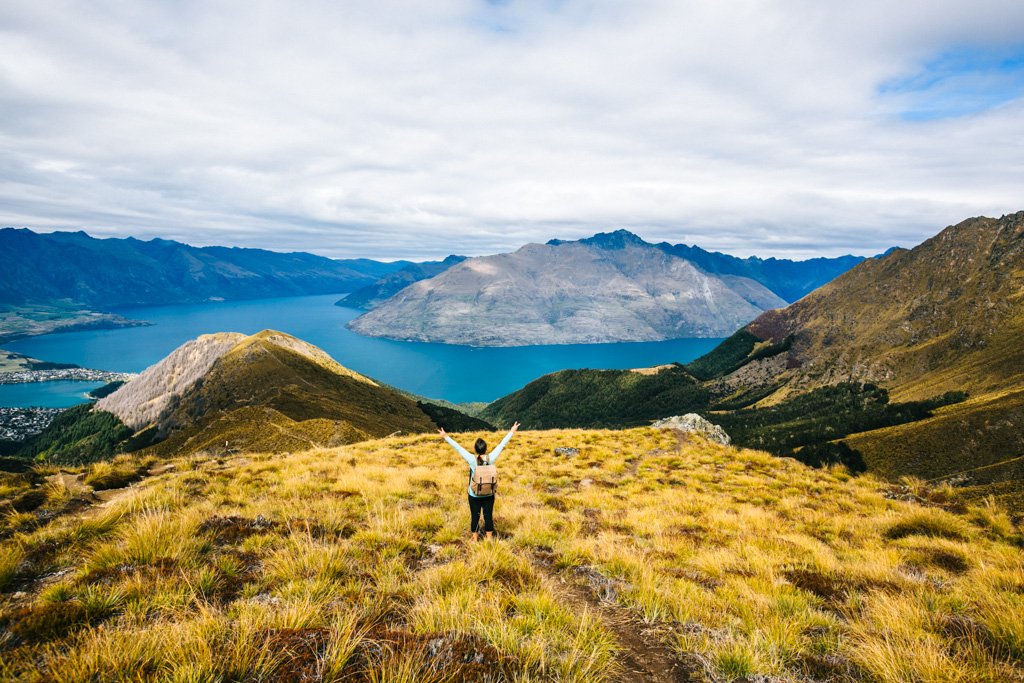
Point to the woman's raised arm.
(501, 446)
(461, 451)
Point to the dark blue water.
(59, 394)
(455, 373)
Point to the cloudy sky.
(414, 129)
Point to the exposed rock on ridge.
(694, 423)
(149, 397)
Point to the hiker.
(482, 487)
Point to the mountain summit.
(618, 239)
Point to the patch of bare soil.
(644, 654)
(439, 656)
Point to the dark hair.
(480, 447)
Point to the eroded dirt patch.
(436, 656)
(644, 652)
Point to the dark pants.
(475, 506)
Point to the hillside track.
(645, 655)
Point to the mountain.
(225, 392)
(612, 287)
(788, 279)
(103, 273)
(791, 280)
(946, 315)
(371, 295)
(910, 363)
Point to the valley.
(249, 492)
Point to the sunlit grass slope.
(353, 564)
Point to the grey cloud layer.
(404, 129)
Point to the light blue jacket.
(471, 459)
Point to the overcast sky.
(418, 129)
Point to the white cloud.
(404, 129)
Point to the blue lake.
(454, 373)
(58, 394)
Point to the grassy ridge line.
(746, 564)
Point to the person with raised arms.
(483, 480)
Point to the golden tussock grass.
(354, 564)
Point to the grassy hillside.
(942, 316)
(647, 557)
(270, 371)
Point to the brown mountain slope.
(149, 397)
(272, 391)
(266, 392)
(946, 315)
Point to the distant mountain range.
(788, 279)
(372, 295)
(911, 363)
(103, 273)
(607, 288)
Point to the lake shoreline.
(449, 372)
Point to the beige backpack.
(485, 480)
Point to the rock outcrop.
(695, 424)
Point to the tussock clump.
(938, 554)
(928, 522)
(49, 620)
(426, 657)
(102, 476)
(11, 557)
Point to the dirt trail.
(107, 497)
(644, 655)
